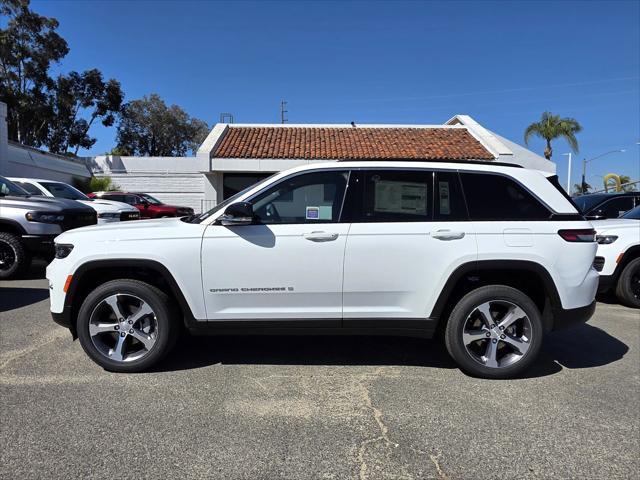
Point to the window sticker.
(313, 213)
(443, 192)
(326, 212)
(400, 197)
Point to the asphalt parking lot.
(315, 407)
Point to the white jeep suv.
(618, 257)
(491, 255)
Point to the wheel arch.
(11, 226)
(631, 254)
(537, 283)
(93, 273)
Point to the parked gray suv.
(29, 224)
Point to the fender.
(13, 224)
(476, 267)
(65, 318)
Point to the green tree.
(627, 188)
(78, 94)
(28, 46)
(581, 188)
(148, 127)
(94, 184)
(551, 127)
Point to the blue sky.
(503, 63)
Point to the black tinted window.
(614, 208)
(32, 189)
(306, 198)
(396, 196)
(449, 202)
(496, 197)
(114, 197)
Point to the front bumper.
(606, 283)
(567, 318)
(39, 244)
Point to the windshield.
(587, 202)
(633, 214)
(9, 188)
(150, 199)
(62, 190)
(217, 208)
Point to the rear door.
(409, 232)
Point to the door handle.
(447, 235)
(320, 236)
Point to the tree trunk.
(548, 152)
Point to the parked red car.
(149, 206)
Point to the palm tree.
(551, 127)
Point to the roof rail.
(472, 162)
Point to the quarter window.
(307, 198)
(396, 196)
(496, 197)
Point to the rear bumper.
(567, 318)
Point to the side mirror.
(240, 213)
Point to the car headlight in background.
(109, 215)
(63, 250)
(44, 217)
(606, 239)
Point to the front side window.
(314, 197)
(614, 208)
(396, 196)
(497, 197)
(31, 188)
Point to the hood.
(44, 203)
(100, 205)
(171, 227)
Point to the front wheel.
(628, 287)
(127, 325)
(494, 332)
(13, 256)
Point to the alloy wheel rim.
(7, 256)
(497, 334)
(123, 327)
(635, 283)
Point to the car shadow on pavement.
(12, 298)
(582, 347)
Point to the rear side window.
(396, 196)
(449, 202)
(614, 208)
(497, 197)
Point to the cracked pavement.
(314, 407)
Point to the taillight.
(578, 235)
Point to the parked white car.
(491, 254)
(618, 257)
(108, 210)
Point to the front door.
(288, 265)
(409, 232)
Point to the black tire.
(166, 316)
(628, 287)
(467, 306)
(15, 258)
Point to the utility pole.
(568, 173)
(584, 165)
(283, 111)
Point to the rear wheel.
(13, 257)
(494, 332)
(628, 287)
(127, 325)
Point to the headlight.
(606, 239)
(109, 215)
(44, 217)
(63, 250)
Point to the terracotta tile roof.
(349, 143)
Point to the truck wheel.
(13, 257)
(494, 332)
(127, 325)
(628, 287)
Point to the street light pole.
(585, 161)
(568, 173)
